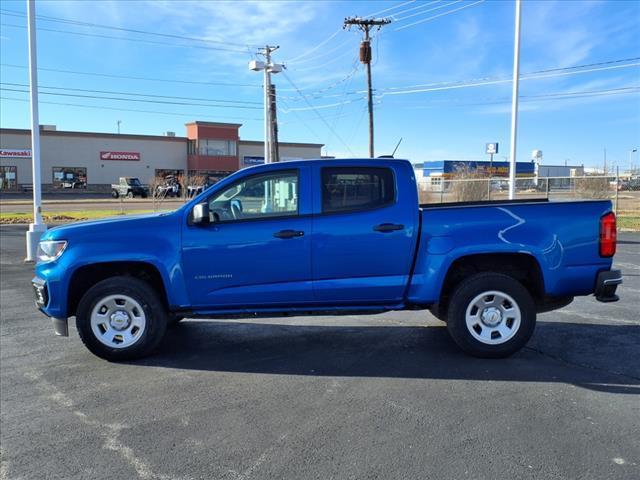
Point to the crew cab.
(313, 237)
(129, 187)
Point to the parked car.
(73, 184)
(338, 236)
(633, 184)
(129, 187)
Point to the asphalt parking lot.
(386, 396)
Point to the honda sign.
(127, 156)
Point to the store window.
(69, 177)
(217, 148)
(191, 147)
(8, 177)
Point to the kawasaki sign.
(15, 153)
(128, 156)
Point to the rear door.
(365, 229)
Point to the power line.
(439, 15)
(317, 113)
(398, 91)
(96, 107)
(68, 21)
(165, 102)
(133, 94)
(453, 102)
(310, 51)
(131, 77)
(422, 5)
(400, 19)
(483, 80)
(325, 53)
(389, 8)
(333, 85)
(127, 39)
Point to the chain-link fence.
(443, 190)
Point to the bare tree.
(467, 185)
(156, 193)
(593, 187)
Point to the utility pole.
(268, 67)
(118, 122)
(365, 24)
(37, 228)
(275, 151)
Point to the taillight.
(608, 235)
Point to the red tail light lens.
(608, 235)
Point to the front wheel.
(491, 315)
(121, 318)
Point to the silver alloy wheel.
(118, 321)
(493, 317)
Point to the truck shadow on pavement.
(598, 357)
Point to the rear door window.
(347, 189)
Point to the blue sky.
(441, 76)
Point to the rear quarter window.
(353, 188)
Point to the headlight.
(50, 250)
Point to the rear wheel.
(121, 318)
(114, 193)
(491, 315)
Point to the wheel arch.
(523, 267)
(86, 276)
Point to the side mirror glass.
(200, 214)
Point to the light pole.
(268, 67)
(514, 104)
(118, 122)
(631, 152)
(37, 228)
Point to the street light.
(631, 152)
(268, 68)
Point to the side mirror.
(200, 214)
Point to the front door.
(256, 250)
(365, 232)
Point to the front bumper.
(606, 285)
(41, 293)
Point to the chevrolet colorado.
(326, 236)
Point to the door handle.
(388, 227)
(288, 234)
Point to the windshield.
(134, 182)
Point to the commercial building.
(93, 161)
(434, 172)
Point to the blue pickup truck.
(326, 237)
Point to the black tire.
(114, 194)
(174, 320)
(156, 317)
(130, 195)
(437, 311)
(463, 296)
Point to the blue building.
(447, 168)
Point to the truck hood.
(114, 226)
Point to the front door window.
(260, 196)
